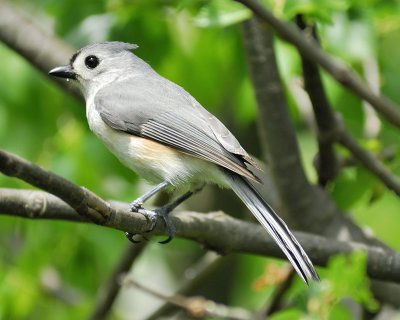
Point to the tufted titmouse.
(160, 131)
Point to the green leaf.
(318, 9)
(288, 314)
(221, 13)
(346, 278)
(352, 186)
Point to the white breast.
(152, 160)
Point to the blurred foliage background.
(198, 45)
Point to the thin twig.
(109, 290)
(371, 162)
(388, 154)
(327, 166)
(337, 69)
(332, 128)
(372, 75)
(200, 273)
(274, 304)
(197, 307)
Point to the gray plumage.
(171, 116)
(159, 130)
(275, 226)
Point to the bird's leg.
(136, 206)
(162, 212)
(165, 210)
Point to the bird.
(157, 129)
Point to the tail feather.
(274, 225)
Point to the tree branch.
(41, 49)
(274, 303)
(82, 200)
(279, 137)
(369, 161)
(332, 128)
(314, 209)
(196, 307)
(200, 273)
(215, 230)
(327, 166)
(109, 290)
(88, 205)
(122, 219)
(337, 69)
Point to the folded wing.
(155, 108)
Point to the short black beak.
(63, 72)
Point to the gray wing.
(223, 135)
(155, 108)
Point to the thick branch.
(334, 67)
(216, 230)
(126, 221)
(41, 49)
(314, 209)
(82, 200)
(278, 134)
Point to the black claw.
(166, 240)
(152, 216)
(130, 236)
(164, 213)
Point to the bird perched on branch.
(160, 131)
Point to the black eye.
(91, 62)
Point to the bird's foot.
(152, 216)
(130, 236)
(136, 206)
(163, 212)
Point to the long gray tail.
(274, 225)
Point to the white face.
(97, 68)
(97, 65)
(87, 65)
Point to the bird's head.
(99, 64)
